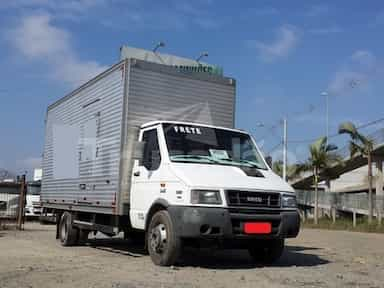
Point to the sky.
(283, 54)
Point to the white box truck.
(150, 150)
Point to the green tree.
(320, 160)
(360, 144)
(293, 171)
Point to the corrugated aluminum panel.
(95, 110)
(112, 107)
(160, 92)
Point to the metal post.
(327, 120)
(354, 217)
(285, 150)
(20, 214)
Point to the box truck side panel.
(83, 145)
(160, 92)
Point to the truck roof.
(157, 122)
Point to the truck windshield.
(33, 189)
(199, 144)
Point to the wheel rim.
(158, 239)
(63, 231)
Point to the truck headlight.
(205, 197)
(289, 201)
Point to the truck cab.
(196, 183)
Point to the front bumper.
(33, 211)
(227, 223)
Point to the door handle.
(137, 173)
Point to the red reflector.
(257, 228)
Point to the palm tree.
(320, 160)
(360, 145)
(293, 171)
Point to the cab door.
(146, 178)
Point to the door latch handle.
(137, 173)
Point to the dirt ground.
(317, 258)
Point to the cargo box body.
(91, 133)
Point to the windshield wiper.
(242, 161)
(197, 157)
(253, 164)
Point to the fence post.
(20, 214)
(354, 217)
(333, 211)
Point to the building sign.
(182, 64)
(200, 69)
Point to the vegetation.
(344, 223)
(320, 160)
(292, 170)
(361, 145)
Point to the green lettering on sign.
(210, 69)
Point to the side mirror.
(138, 151)
(268, 159)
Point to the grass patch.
(343, 223)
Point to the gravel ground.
(317, 258)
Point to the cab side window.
(152, 158)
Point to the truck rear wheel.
(267, 251)
(68, 234)
(163, 244)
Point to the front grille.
(253, 211)
(253, 199)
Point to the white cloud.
(57, 7)
(39, 40)
(124, 14)
(360, 69)
(285, 41)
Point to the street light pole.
(285, 149)
(326, 95)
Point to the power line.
(337, 134)
(371, 123)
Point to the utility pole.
(285, 149)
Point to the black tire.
(68, 234)
(267, 251)
(163, 244)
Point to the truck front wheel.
(163, 244)
(67, 233)
(267, 251)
